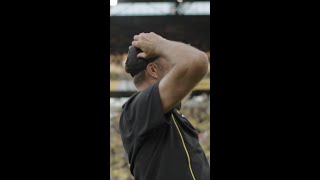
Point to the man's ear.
(152, 70)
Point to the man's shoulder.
(141, 96)
(130, 100)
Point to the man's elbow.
(202, 63)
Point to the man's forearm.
(183, 56)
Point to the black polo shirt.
(160, 146)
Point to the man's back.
(160, 146)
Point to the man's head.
(145, 72)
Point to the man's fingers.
(135, 44)
(136, 37)
(142, 55)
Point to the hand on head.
(149, 43)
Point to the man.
(160, 142)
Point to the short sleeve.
(145, 111)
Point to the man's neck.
(146, 84)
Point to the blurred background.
(186, 21)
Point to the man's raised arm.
(189, 66)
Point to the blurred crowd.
(117, 62)
(196, 109)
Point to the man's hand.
(150, 43)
